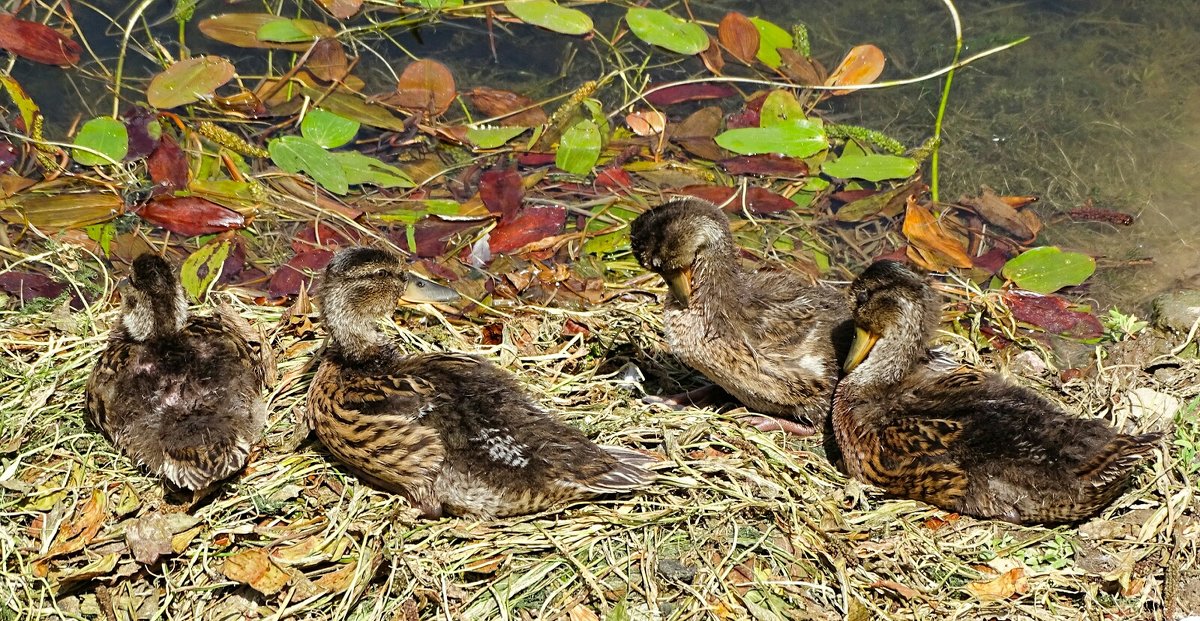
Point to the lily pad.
(870, 167)
(359, 168)
(106, 136)
(667, 31)
(1047, 269)
(328, 129)
(579, 148)
(188, 81)
(297, 154)
(801, 138)
(550, 16)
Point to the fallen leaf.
(512, 108)
(255, 568)
(1001, 587)
(297, 272)
(190, 216)
(340, 9)
(687, 92)
(1052, 314)
(323, 235)
(929, 243)
(188, 81)
(502, 191)
(712, 57)
(995, 211)
(150, 536)
(581, 613)
(62, 210)
(83, 526)
(530, 225)
(696, 132)
(37, 42)
(903, 591)
(241, 30)
(800, 69)
(646, 122)
(143, 129)
(168, 167)
(861, 65)
(432, 235)
(27, 286)
(766, 165)
(425, 85)
(737, 33)
(328, 58)
(757, 200)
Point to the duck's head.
(152, 301)
(674, 237)
(895, 311)
(361, 286)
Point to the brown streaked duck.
(451, 432)
(770, 339)
(179, 395)
(961, 439)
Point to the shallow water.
(1100, 104)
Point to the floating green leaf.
(297, 154)
(105, 135)
(770, 39)
(493, 137)
(802, 138)
(780, 108)
(870, 167)
(1047, 269)
(328, 129)
(550, 16)
(289, 31)
(435, 5)
(359, 168)
(208, 259)
(665, 30)
(188, 81)
(579, 148)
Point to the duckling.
(179, 395)
(768, 338)
(451, 432)
(961, 439)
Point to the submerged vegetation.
(512, 173)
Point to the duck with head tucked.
(179, 395)
(961, 439)
(453, 433)
(770, 339)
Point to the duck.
(959, 438)
(453, 433)
(180, 395)
(770, 339)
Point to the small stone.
(1176, 311)
(673, 569)
(1028, 364)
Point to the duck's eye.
(861, 298)
(381, 273)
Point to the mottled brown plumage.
(958, 438)
(767, 337)
(453, 433)
(180, 396)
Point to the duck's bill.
(424, 291)
(680, 284)
(863, 342)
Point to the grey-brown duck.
(453, 433)
(961, 439)
(179, 395)
(769, 338)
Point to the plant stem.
(941, 113)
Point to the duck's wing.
(102, 387)
(258, 350)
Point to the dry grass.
(741, 524)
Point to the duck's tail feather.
(1113, 462)
(628, 472)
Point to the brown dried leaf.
(425, 85)
(801, 70)
(768, 165)
(582, 613)
(930, 245)
(328, 59)
(37, 42)
(862, 65)
(254, 568)
(646, 122)
(514, 108)
(712, 58)
(341, 9)
(168, 167)
(339, 579)
(1001, 587)
(695, 133)
(738, 34)
(906, 592)
(241, 30)
(151, 536)
(502, 191)
(61, 211)
(528, 226)
(990, 207)
(83, 526)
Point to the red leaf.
(298, 271)
(501, 191)
(771, 165)
(993, 260)
(688, 92)
(749, 116)
(432, 235)
(530, 225)
(137, 120)
(8, 156)
(535, 159)
(425, 85)
(168, 167)
(758, 200)
(37, 42)
(516, 109)
(190, 216)
(614, 178)
(1052, 314)
(30, 285)
(321, 235)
